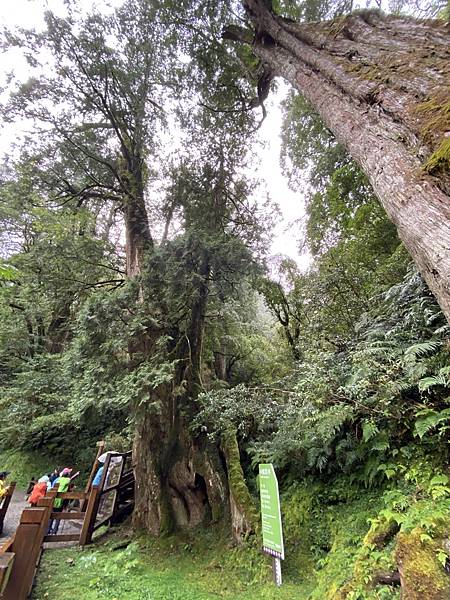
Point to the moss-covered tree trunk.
(244, 516)
(382, 86)
(421, 575)
(180, 479)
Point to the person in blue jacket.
(98, 476)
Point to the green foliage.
(7, 273)
(200, 566)
(339, 375)
(311, 10)
(25, 465)
(344, 537)
(429, 419)
(352, 410)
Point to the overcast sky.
(29, 14)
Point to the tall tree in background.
(181, 480)
(97, 101)
(99, 107)
(381, 85)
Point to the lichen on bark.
(244, 516)
(421, 575)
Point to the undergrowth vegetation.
(200, 566)
(340, 543)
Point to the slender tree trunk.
(382, 86)
(194, 337)
(57, 331)
(138, 237)
(220, 365)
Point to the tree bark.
(381, 85)
(244, 516)
(137, 229)
(181, 480)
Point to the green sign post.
(271, 518)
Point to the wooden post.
(26, 547)
(101, 449)
(6, 563)
(47, 503)
(89, 519)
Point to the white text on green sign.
(270, 511)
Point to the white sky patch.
(292, 204)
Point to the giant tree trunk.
(180, 481)
(183, 480)
(382, 85)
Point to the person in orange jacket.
(39, 490)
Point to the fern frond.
(423, 349)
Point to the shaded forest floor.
(339, 535)
(198, 567)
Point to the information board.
(270, 511)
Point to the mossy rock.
(422, 577)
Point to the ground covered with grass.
(25, 465)
(196, 567)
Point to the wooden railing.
(108, 502)
(4, 503)
(22, 552)
(20, 555)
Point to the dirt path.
(15, 508)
